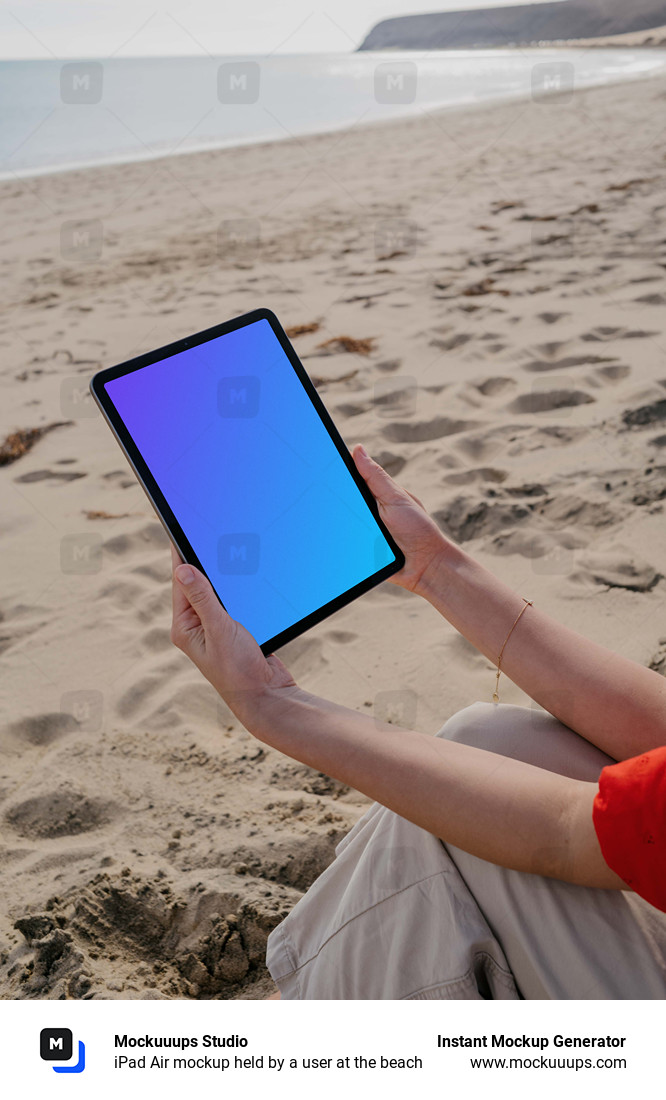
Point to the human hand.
(223, 650)
(417, 535)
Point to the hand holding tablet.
(249, 475)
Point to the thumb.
(381, 485)
(198, 592)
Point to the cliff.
(523, 24)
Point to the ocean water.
(56, 115)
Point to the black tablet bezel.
(166, 516)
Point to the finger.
(199, 595)
(381, 485)
(179, 602)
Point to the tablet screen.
(253, 477)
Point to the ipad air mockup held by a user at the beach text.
(249, 475)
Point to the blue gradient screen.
(253, 477)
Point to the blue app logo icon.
(56, 1044)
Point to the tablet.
(249, 476)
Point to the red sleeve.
(630, 820)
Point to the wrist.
(264, 712)
(437, 577)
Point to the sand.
(503, 268)
(655, 37)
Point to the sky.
(139, 28)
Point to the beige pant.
(400, 915)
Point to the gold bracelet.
(528, 603)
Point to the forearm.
(498, 809)
(613, 702)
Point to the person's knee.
(469, 726)
(528, 734)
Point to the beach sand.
(503, 268)
(655, 37)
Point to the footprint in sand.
(58, 476)
(485, 445)
(468, 518)
(551, 318)
(421, 431)
(395, 397)
(342, 637)
(539, 365)
(296, 862)
(156, 640)
(450, 344)
(158, 570)
(59, 813)
(120, 478)
(393, 464)
(448, 461)
(652, 299)
(609, 375)
(552, 435)
(551, 348)
(149, 537)
(549, 401)
(347, 409)
(527, 544)
(155, 605)
(43, 729)
(140, 692)
(570, 510)
(471, 477)
(491, 387)
(127, 910)
(124, 594)
(605, 333)
(646, 415)
(618, 569)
